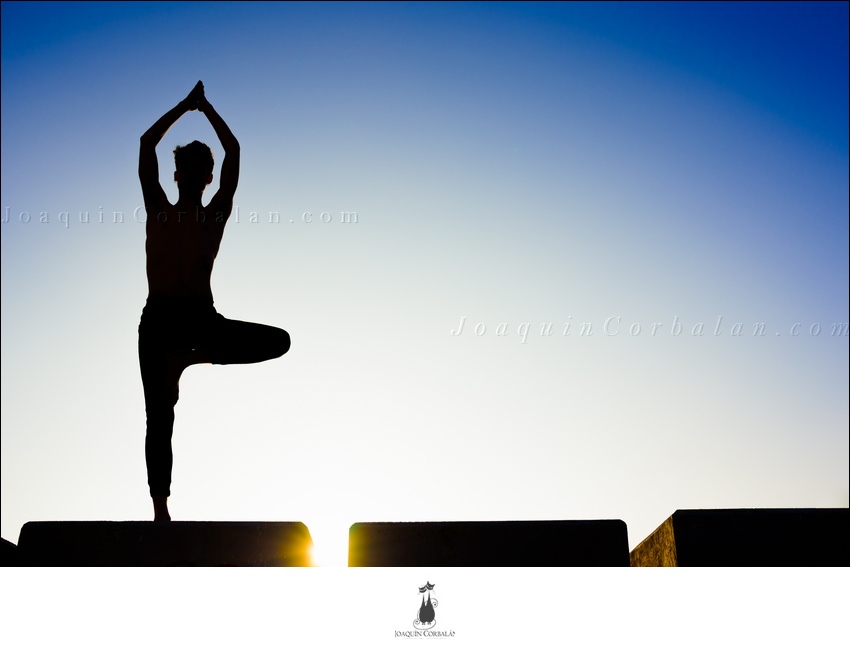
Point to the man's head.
(193, 166)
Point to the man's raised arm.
(230, 165)
(148, 165)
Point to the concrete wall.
(164, 544)
(468, 544)
(748, 537)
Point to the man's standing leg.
(160, 379)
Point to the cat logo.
(426, 618)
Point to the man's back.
(181, 247)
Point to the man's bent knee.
(282, 343)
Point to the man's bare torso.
(181, 246)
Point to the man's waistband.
(164, 304)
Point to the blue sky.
(512, 164)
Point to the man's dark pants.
(173, 331)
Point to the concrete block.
(164, 544)
(502, 544)
(748, 537)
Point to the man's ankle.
(160, 508)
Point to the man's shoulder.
(159, 212)
(218, 210)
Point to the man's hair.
(194, 162)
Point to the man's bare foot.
(160, 509)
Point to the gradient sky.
(511, 163)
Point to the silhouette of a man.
(179, 325)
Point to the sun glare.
(330, 544)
